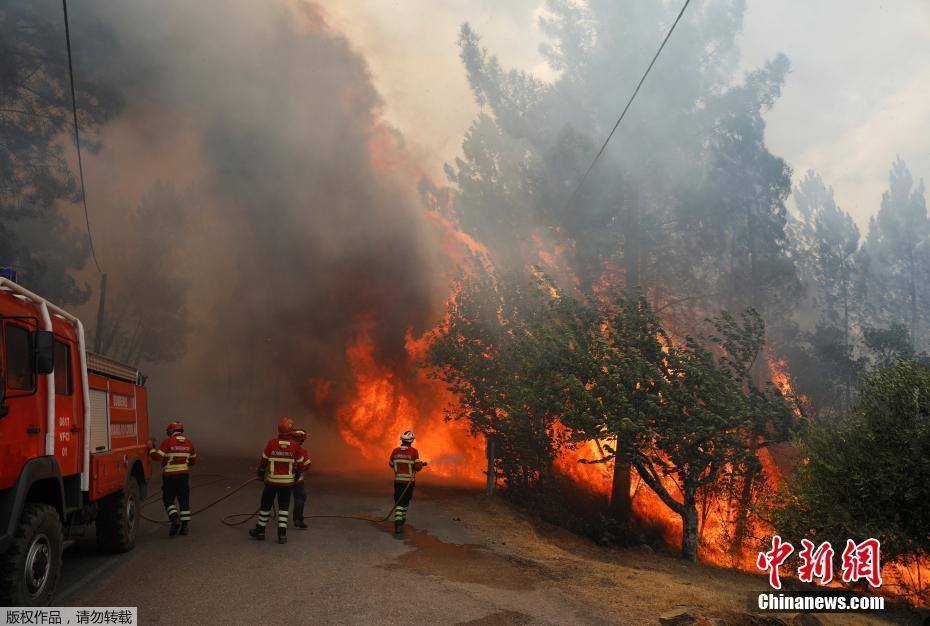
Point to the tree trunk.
(742, 513)
(689, 529)
(846, 350)
(913, 294)
(631, 248)
(621, 505)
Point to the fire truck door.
(69, 422)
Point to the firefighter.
(405, 461)
(177, 455)
(300, 493)
(281, 460)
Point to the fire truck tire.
(118, 519)
(30, 568)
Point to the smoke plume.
(303, 232)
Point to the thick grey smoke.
(296, 234)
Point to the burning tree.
(487, 353)
(686, 418)
(524, 359)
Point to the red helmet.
(299, 434)
(285, 426)
(174, 427)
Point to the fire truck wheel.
(30, 569)
(118, 519)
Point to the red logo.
(860, 561)
(816, 563)
(771, 560)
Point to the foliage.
(898, 247)
(35, 115)
(485, 352)
(521, 359)
(888, 344)
(868, 476)
(687, 199)
(825, 369)
(826, 245)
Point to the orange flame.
(389, 400)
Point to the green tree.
(827, 252)
(611, 366)
(35, 115)
(869, 476)
(825, 369)
(685, 206)
(639, 215)
(888, 344)
(899, 253)
(684, 416)
(488, 355)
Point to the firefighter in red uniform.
(281, 460)
(405, 461)
(177, 455)
(300, 493)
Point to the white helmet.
(408, 436)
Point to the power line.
(632, 97)
(77, 138)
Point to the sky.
(857, 96)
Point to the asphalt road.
(337, 572)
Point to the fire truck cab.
(73, 445)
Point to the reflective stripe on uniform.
(279, 480)
(263, 517)
(278, 477)
(173, 466)
(185, 516)
(402, 475)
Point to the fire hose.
(149, 501)
(361, 518)
(455, 458)
(248, 516)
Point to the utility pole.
(98, 333)
(490, 450)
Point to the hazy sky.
(858, 93)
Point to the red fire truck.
(73, 433)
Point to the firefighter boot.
(184, 529)
(257, 533)
(398, 527)
(175, 525)
(282, 535)
(300, 523)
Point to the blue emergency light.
(9, 273)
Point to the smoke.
(303, 226)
